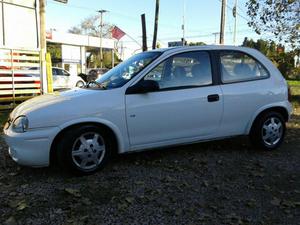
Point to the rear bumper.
(31, 148)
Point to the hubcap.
(88, 151)
(272, 131)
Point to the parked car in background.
(62, 79)
(96, 73)
(152, 100)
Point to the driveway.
(220, 182)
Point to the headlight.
(20, 124)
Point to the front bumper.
(31, 148)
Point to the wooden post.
(43, 46)
(143, 17)
(155, 25)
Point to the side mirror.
(144, 86)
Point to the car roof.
(202, 47)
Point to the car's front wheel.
(84, 149)
(268, 131)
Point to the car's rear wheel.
(268, 131)
(84, 150)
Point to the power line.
(231, 8)
(132, 18)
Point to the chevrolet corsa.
(154, 99)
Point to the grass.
(294, 83)
(295, 91)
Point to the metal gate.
(19, 76)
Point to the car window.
(65, 73)
(183, 70)
(125, 71)
(238, 66)
(54, 72)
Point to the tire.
(268, 131)
(79, 84)
(85, 149)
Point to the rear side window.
(238, 66)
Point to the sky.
(202, 18)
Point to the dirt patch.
(221, 182)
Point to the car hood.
(54, 109)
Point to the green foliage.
(294, 83)
(276, 53)
(55, 52)
(93, 61)
(278, 17)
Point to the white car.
(63, 79)
(154, 99)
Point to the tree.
(279, 17)
(90, 26)
(276, 53)
(55, 52)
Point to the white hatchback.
(154, 99)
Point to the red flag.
(117, 33)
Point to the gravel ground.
(220, 182)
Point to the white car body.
(151, 120)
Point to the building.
(75, 49)
(19, 50)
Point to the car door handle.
(213, 98)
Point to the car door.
(244, 81)
(56, 79)
(187, 107)
(63, 77)
(67, 79)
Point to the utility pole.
(155, 25)
(183, 24)
(235, 21)
(216, 34)
(143, 18)
(43, 45)
(222, 27)
(102, 11)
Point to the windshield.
(125, 71)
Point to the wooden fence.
(19, 76)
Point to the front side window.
(125, 71)
(238, 66)
(183, 70)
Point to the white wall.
(20, 24)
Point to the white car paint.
(63, 79)
(148, 120)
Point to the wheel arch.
(276, 108)
(112, 131)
